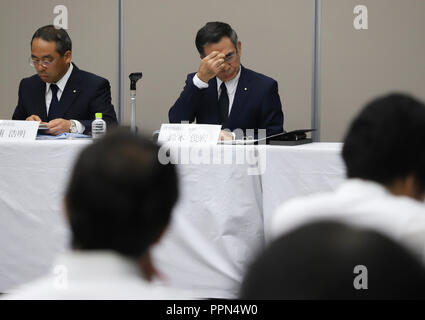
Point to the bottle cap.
(99, 115)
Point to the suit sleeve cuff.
(199, 83)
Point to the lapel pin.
(75, 91)
(246, 89)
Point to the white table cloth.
(33, 176)
(218, 225)
(299, 170)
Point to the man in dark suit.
(224, 92)
(62, 96)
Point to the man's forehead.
(224, 45)
(43, 47)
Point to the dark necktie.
(54, 103)
(223, 103)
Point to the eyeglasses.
(229, 56)
(44, 64)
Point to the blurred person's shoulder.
(299, 210)
(359, 202)
(99, 275)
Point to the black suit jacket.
(256, 104)
(84, 95)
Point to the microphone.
(134, 77)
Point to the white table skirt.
(33, 176)
(300, 170)
(219, 224)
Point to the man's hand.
(58, 126)
(225, 135)
(210, 66)
(33, 118)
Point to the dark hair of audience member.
(318, 260)
(386, 141)
(120, 196)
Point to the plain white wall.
(359, 65)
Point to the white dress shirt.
(231, 86)
(95, 275)
(360, 203)
(61, 87)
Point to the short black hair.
(386, 141)
(318, 261)
(59, 36)
(213, 32)
(120, 196)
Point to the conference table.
(228, 195)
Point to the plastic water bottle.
(98, 127)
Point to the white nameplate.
(189, 133)
(17, 130)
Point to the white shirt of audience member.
(361, 203)
(95, 275)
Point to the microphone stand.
(134, 77)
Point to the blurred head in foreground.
(329, 260)
(386, 144)
(120, 197)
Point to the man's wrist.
(203, 77)
(72, 127)
(76, 127)
(199, 83)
